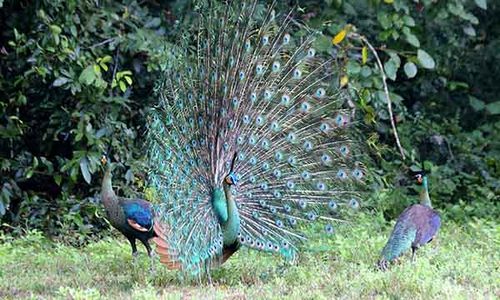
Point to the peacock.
(251, 139)
(132, 217)
(416, 226)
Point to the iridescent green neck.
(424, 193)
(227, 213)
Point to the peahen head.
(106, 164)
(422, 181)
(104, 160)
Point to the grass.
(462, 263)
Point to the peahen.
(250, 140)
(415, 227)
(132, 217)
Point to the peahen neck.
(424, 193)
(108, 196)
(227, 213)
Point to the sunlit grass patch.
(463, 262)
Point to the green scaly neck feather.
(424, 193)
(227, 213)
(108, 196)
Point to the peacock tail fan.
(249, 89)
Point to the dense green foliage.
(77, 79)
(330, 268)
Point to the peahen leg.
(413, 252)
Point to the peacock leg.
(413, 251)
(134, 247)
(150, 254)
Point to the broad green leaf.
(123, 87)
(60, 81)
(72, 28)
(493, 108)
(97, 69)
(476, 104)
(129, 80)
(412, 39)
(106, 59)
(384, 20)
(84, 167)
(364, 55)
(482, 4)
(58, 179)
(56, 30)
(322, 43)
(425, 59)
(469, 30)
(103, 66)
(353, 67)
(409, 21)
(410, 69)
(87, 76)
(391, 68)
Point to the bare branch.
(386, 89)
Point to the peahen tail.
(252, 85)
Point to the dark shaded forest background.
(77, 78)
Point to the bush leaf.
(410, 69)
(84, 167)
(482, 4)
(425, 59)
(493, 108)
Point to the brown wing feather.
(167, 256)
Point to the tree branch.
(386, 90)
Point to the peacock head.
(231, 178)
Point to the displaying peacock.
(132, 217)
(415, 227)
(250, 139)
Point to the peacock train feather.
(250, 139)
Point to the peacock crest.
(256, 102)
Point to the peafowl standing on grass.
(132, 217)
(415, 227)
(250, 140)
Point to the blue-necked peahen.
(250, 139)
(415, 227)
(132, 217)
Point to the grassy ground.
(463, 263)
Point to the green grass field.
(462, 263)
